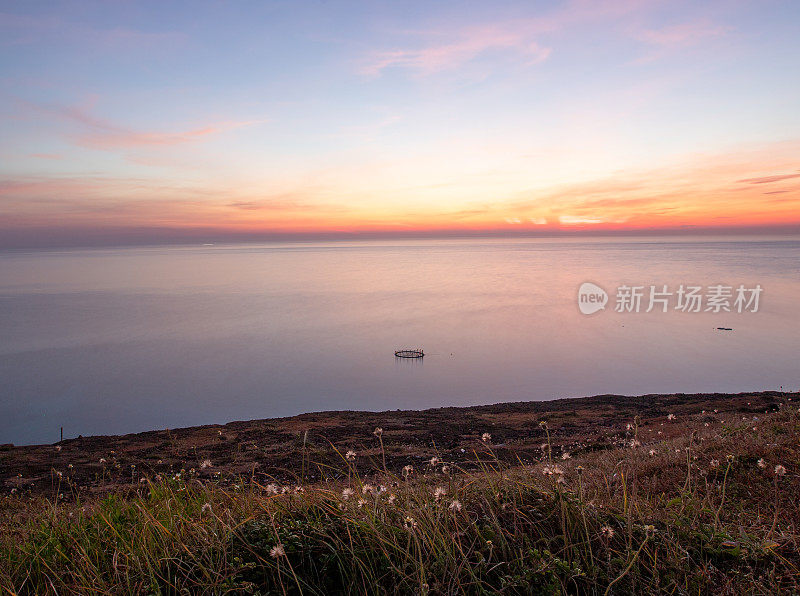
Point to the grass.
(704, 512)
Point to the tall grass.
(694, 514)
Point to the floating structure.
(409, 353)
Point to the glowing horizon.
(364, 119)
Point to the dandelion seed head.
(277, 551)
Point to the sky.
(125, 122)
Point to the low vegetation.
(712, 509)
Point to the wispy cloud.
(682, 35)
(666, 40)
(769, 179)
(460, 47)
(21, 29)
(99, 133)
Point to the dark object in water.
(725, 328)
(411, 353)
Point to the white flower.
(102, 460)
(347, 493)
(439, 493)
(273, 489)
(762, 463)
(351, 455)
(651, 453)
(607, 531)
(367, 488)
(434, 460)
(206, 463)
(486, 437)
(277, 551)
(407, 470)
(361, 503)
(565, 456)
(455, 505)
(445, 469)
(670, 416)
(205, 508)
(780, 470)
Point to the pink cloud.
(467, 45)
(673, 38)
(685, 34)
(98, 133)
(458, 46)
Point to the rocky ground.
(310, 447)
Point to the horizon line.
(47, 237)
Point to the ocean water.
(101, 341)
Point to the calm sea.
(106, 341)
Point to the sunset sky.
(162, 121)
